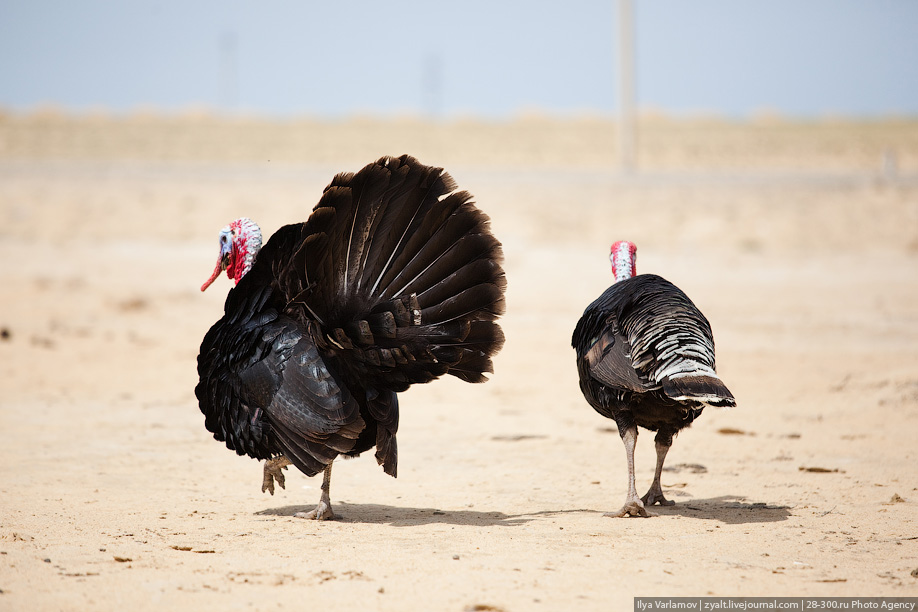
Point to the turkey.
(645, 356)
(394, 279)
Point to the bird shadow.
(729, 509)
(413, 517)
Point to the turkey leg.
(633, 505)
(655, 492)
(323, 510)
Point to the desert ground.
(798, 240)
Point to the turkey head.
(239, 243)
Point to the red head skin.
(624, 260)
(239, 243)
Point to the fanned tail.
(403, 274)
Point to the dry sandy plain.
(798, 240)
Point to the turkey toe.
(321, 512)
(656, 499)
(655, 496)
(632, 507)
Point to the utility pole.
(626, 124)
(431, 86)
(228, 69)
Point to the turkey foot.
(655, 496)
(273, 472)
(323, 511)
(632, 507)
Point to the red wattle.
(213, 276)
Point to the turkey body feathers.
(645, 356)
(394, 279)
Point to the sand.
(799, 241)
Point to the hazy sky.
(492, 58)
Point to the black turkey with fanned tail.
(394, 279)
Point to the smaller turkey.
(645, 356)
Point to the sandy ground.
(798, 241)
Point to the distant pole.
(228, 61)
(431, 85)
(626, 125)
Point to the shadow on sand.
(727, 509)
(409, 517)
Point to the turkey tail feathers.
(700, 388)
(403, 274)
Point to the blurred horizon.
(821, 59)
(195, 112)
